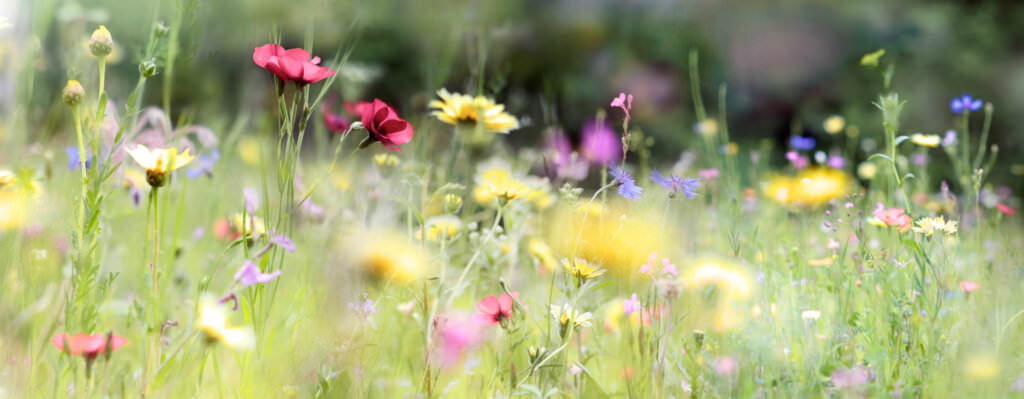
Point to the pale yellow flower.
(388, 255)
(834, 124)
(542, 253)
(159, 162)
(581, 269)
(812, 187)
(926, 140)
(213, 322)
(497, 183)
(7, 178)
(929, 225)
(707, 127)
(867, 170)
(456, 109)
(440, 227)
(253, 225)
(13, 208)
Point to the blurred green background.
(787, 64)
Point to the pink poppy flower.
(86, 345)
(383, 123)
(969, 286)
(494, 311)
(292, 65)
(893, 217)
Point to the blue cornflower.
(204, 166)
(627, 186)
(802, 143)
(74, 162)
(675, 183)
(964, 103)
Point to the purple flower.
(627, 186)
(950, 139)
(802, 143)
(250, 274)
(364, 307)
(568, 165)
(600, 144)
(283, 242)
(204, 165)
(964, 103)
(836, 161)
(919, 159)
(74, 162)
(675, 183)
(631, 305)
(252, 200)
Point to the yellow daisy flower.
(581, 269)
(440, 227)
(812, 187)
(456, 109)
(929, 225)
(926, 140)
(159, 162)
(213, 322)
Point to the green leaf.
(880, 155)
(908, 176)
(900, 140)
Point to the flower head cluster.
(676, 184)
(811, 187)
(456, 109)
(930, 225)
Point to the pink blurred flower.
(969, 286)
(708, 174)
(725, 366)
(624, 102)
(631, 305)
(251, 274)
(600, 144)
(893, 217)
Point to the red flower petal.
(489, 306)
(505, 302)
(262, 54)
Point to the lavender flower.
(836, 161)
(600, 144)
(204, 165)
(74, 162)
(950, 139)
(283, 242)
(631, 305)
(802, 143)
(676, 183)
(252, 200)
(627, 186)
(964, 103)
(568, 164)
(251, 274)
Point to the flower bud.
(147, 69)
(160, 30)
(101, 43)
(73, 93)
(452, 203)
(385, 160)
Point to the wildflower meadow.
(457, 199)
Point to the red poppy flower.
(383, 123)
(495, 310)
(88, 346)
(1006, 210)
(293, 65)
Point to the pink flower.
(708, 174)
(251, 274)
(1006, 210)
(456, 336)
(624, 102)
(631, 305)
(725, 366)
(893, 217)
(291, 65)
(969, 286)
(88, 346)
(383, 123)
(494, 311)
(335, 123)
(668, 267)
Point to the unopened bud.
(147, 69)
(73, 93)
(101, 43)
(452, 203)
(160, 30)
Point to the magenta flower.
(624, 102)
(600, 144)
(567, 164)
(457, 336)
(251, 274)
(494, 310)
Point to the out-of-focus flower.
(810, 315)
(384, 125)
(708, 174)
(676, 184)
(1006, 209)
(949, 139)
(919, 159)
(252, 200)
(463, 109)
(204, 165)
(457, 335)
(74, 161)
(982, 367)
(291, 65)
(600, 144)
(251, 274)
(867, 170)
(836, 161)
(159, 162)
(964, 103)
(249, 150)
(798, 161)
(567, 163)
(802, 143)
(725, 366)
(871, 59)
(13, 208)
(542, 254)
(811, 188)
(611, 237)
(334, 122)
(88, 345)
(631, 305)
(73, 93)
(496, 310)
(731, 288)
(834, 124)
(581, 269)
(246, 226)
(707, 127)
(969, 286)
(387, 255)
(442, 227)
(568, 316)
(892, 217)
(498, 184)
(627, 186)
(929, 225)
(213, 322)
(283, 242)
(926, 140)
(850, 378)
(385, 161)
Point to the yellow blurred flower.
(252, 225)
(159, 162)
(213, 322)
(495, 184)
(388, 255)
(249, 151)
(929, 225)
(581, 269)
(834, 124)
(445, 226)
(385, 160)
(707, 127)
(542, 253)
(811, 187)
(456, 109)
(719, 288)
(7, 178)
(982, 367)
(610, 237)
(926, 140)
(867, 170)
(13, 209)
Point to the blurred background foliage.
(788, 64)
